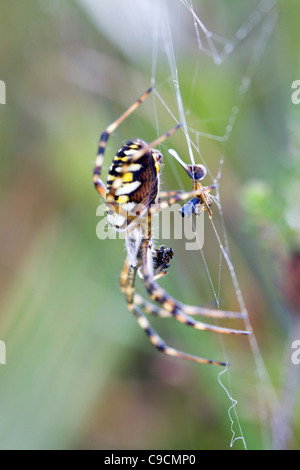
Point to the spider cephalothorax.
(132, 196)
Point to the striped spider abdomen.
(132, 186)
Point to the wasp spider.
(132, 196)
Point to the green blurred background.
(80, 373)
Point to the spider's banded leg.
(150, 332)
(176, 196)
(156, 340)
(168, 194)
(153, 309)
(179, 196)
(150, 308)
(209, 188)
(138, 299)
(99, 185)
(181, 312)
(124, 275)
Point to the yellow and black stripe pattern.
(132, 183)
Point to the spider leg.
(168, 194)
(175, 196)
(154, 338)
(207, 189)
(180, 311)
(198, 195)
(150, 308)
(124, 275)
(138, 299)
(99, 185)
(153, 309)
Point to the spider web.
(164, 30)
(219, 49)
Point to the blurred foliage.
(80, 373)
